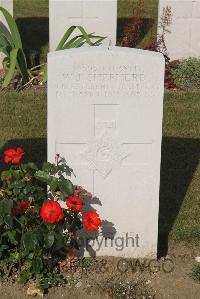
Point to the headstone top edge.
(85, 0)
(108, 48)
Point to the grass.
(31, 8)
(32, 19)
(180, 173)
(23, 122)
(149, 13)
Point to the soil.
(167, 278)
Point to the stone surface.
(184, 38)
(99, 16)
(105, 117)
(7, 4)
(197, 259)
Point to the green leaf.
(100, 39)
(16, 174)
(8, 220)
(37, 208)
(43, 284)
(53, 184)
(17, 185)
(71, 41)
(24, 277)
(46, 166)
(32, 165)
(66, 187)
(6, 206)
(22, 65)
(6, 174)
(13, 61)
(14, 257)
(49, 240)
(37, 265)
(45, 74)
(23, 220)
(3, 247)
(84, 33)
(12, 47)
(5, 43)
(1, 219)
(12, 237)
(13, 28)
(79, 42)
(65, 37)
(31, 255)
(30, 241)
(43, 176)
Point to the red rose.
(51, 212)
(13, 155)
(74, 203)
(23, 205)
(91, 220)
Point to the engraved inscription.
(101, 81)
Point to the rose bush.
(36, 233)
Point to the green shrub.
(36, 233)
(196, 272)
(187, 73)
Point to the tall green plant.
(11, 46)
(68, 42)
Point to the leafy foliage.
(11, 46)
(187, 74)
(78, 40)
(68, 42)
(196, 272)
(28, 243)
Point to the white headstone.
(183, 40)
(105, 117)
(99, 16)
(7, 4)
